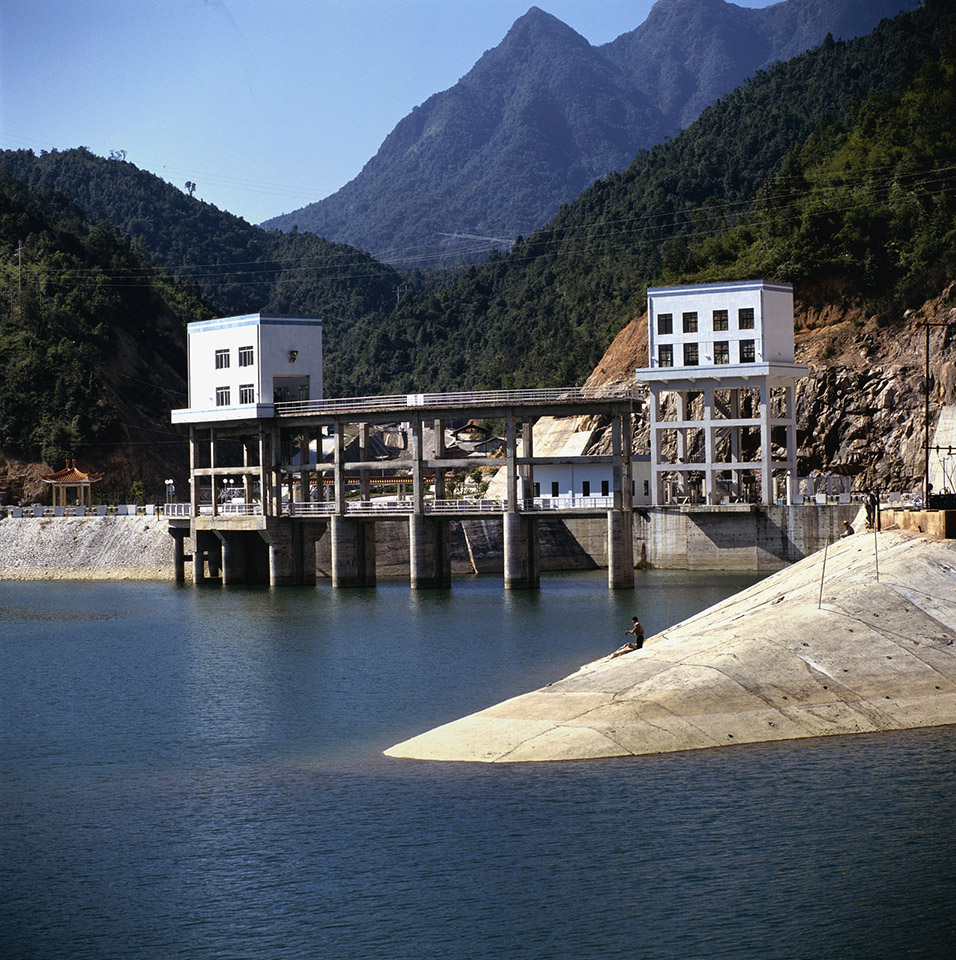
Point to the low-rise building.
(725, 354)
(239, 367)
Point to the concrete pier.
(353, 553)
(522, 566)
(859, 638)
(429, 555)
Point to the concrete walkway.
(765, 664)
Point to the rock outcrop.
(861, 410)
(873, 650)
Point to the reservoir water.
(197, 773)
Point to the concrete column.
(521, 562)
(418, 478)
(339, 463)
(179, 554)
(233, 558)
(439, 428)
(681, 442)
(193, 479)
(428, 552)
(527, 470)
(214, 487)
(264, 499)
(199, 561)
(790, 400)
(617, 464)
(735, 440)
(653, 415)
(620, 549)
(511, 474)
(627, 465)
(365, 491)
(710, 485)
(353, 553)
(766, 479)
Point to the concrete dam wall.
(698, 538)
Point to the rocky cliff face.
(861, 410)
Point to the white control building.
(240, 366)
(724, 352)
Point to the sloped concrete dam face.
(774, 662)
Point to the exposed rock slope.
(860, 411)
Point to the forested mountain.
(544, 314)
(92, 352)
(544, 114)
(241, 268)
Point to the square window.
(222, 396)
(665, 355)
(247, 393)
(665, 323)
(747, 354)
(222, 359)
(246, 356)
(745, 318)
(690, 355)
(721, 351)
(721, 320)
(690, 322)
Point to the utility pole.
(19, 266)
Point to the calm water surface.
(198, 773)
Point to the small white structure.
(239, 367)
(565, 484)
(725, 351)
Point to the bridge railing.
(324, 508)
(479, 398)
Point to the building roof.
(71, 475)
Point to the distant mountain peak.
(536, 27)
(544, 114)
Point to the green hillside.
(868, 207)
(239, 267)
(91, 334)
(544, 314)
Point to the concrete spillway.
(771, 663)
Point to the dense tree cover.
(541, 315)
(544, 314)
(869, 207)
(74, 296)
(239, 267)
(544, 114)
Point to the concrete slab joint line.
(778, 668)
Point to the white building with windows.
(240, 366)
(725, 352)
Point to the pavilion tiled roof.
(71, 474)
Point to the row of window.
(246, 358)
(586, 488)
(247, 394)
(665, 353)
(720, 320)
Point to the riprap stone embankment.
(85, 548)
(773, 662)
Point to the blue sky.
(267, 105)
